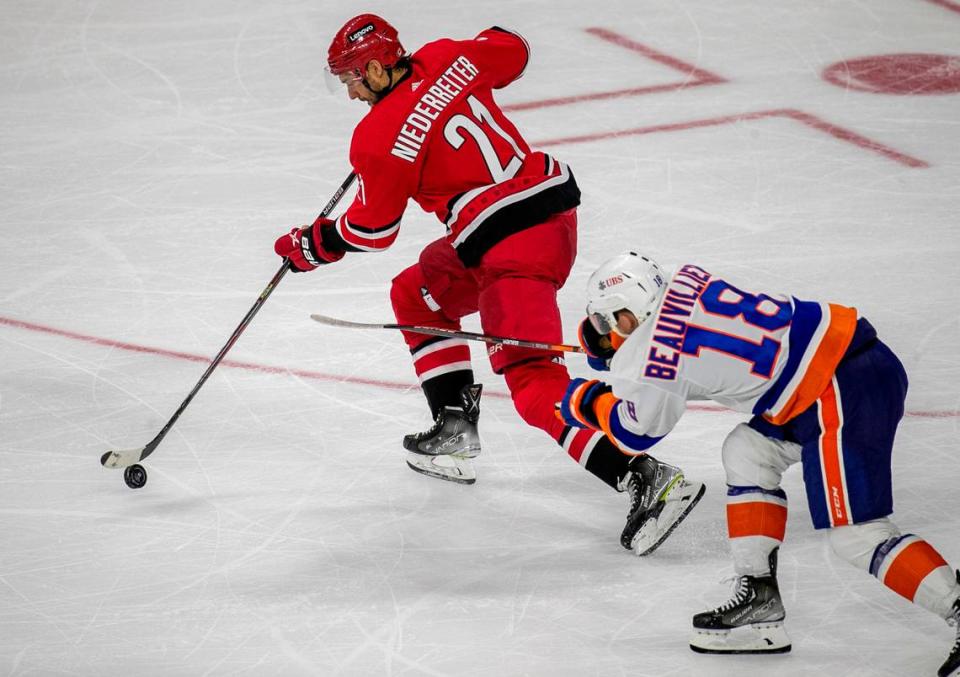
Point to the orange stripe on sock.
(756, 519)
(830, 458)
(911, 566)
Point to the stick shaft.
(254, 309)
(452, 333)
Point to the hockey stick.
(125, 457)
(452, 333)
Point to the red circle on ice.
(898, 74)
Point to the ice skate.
(750, 622)
(660, 498)
(444, 451)
(951, 667)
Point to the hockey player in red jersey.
(824, 392)
(434, 134)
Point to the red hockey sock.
(536, 386)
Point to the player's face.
(626, 322)
(356, 89)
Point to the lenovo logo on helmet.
(356, 35)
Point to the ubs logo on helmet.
(610, 281)
(356, 35)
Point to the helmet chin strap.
(366, 84)
(390, 83)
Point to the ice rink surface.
(151, 152)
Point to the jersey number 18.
(756, 310)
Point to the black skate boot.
(951, 667)
(660, 498)
(444, 451)
(750, 622)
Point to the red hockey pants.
(514, 288)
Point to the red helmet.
(362, 39)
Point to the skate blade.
(448, 448)
(451, 468)
(469, 450)
(756, 638)
(680, 501)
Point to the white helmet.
(628, 281)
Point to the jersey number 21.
(479, 127)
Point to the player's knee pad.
(752, 459)
(519, 307)
(447, 281)
(434, 288)
(856, 543)
(412, 304)
(535, 387)
(407, 297)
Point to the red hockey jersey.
(439, 138)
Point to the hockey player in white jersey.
(823, 391)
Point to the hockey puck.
(135, 476)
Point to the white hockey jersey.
(766, 354)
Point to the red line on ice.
(808, 119)
(701, 77)
(235, 364)
(598, 96)
(303, 373)
(947, 4)
(701, 74)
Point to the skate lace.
(433, 430)
(740, 589)
(635, 489)
(954, 622)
